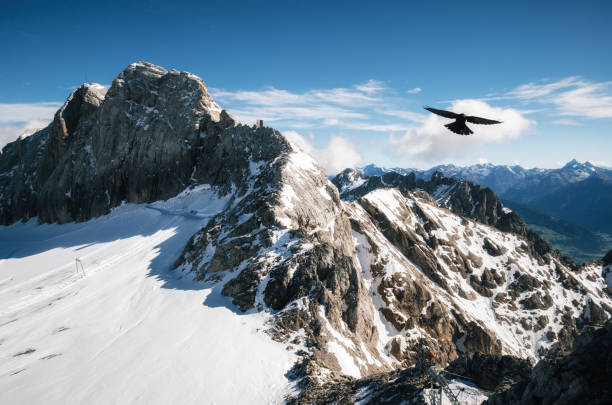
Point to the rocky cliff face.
(460, 196)
(139, 142)
(353, 277)
(539, 194)
(486, 373)
(28, 164)
(283, 245)
(463, 286)
(581, 375)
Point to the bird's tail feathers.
(459, 128)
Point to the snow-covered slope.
(125, 327)
(464, 286)
(281, 249)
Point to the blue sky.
(346, 80)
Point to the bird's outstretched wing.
(482, 121)
(447, 114)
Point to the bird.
(459, 126)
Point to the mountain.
(95, 154)
(497, 177)
(155, 249)
(563, 377)
(508, 181)
(461, 197)
(585, 202)
(545, 181)
(568, 377)
(556, 194)
(573, 240)
(562, 192)
(373, 170)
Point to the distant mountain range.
(569, 205)
(504, 178)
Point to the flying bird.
(459, 126)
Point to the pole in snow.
(77, 263)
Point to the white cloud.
(15, 119)
(18, 113)
(371, 86)
(359, 95)
(571, 96)
(534, 91)
(601, 163)
(9, 133)
(432, 141)
(483, 161)
(414, 91)
(337, 155)
(589, 100)
(343, 108)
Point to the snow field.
(128, 329)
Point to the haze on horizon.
(346, 83)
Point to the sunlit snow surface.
(130, 329)
(467, 237)
(466, 392)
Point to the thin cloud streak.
(371, 86)
(342, 108)
(24, 112)
(571, 97)
(405, 115)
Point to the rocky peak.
(435, 272)
(79, 106)
(142, 140)
(349, 179)
(462, 197)
(571, 164)
(149, 85)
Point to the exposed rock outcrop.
(580, 376)
(464, 287)
(491, 372)
(285, 245)
(460, 196)
(140, 141)
(485, 374)
(27, 166)
(394, 388)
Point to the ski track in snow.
(130, 329)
